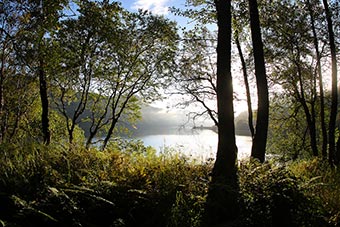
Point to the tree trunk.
(334, 105)
(89, 139)
(246, 83)
(44, 103)
(309, 117)
(338, 148)
(109, 133)
(261, 131)
(3, 122)
(2, 100)
(95, 127)
(70, 130)
(312, 133)
(222, 205)
(319, 72)
(93, 133)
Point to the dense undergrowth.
(130, 185)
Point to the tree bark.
(332, 121)
(44, 103)
(246, 83)
(110, 132)
(309, 116)
(319, 72)
(261, 130)
(222, 205)
(2, 100)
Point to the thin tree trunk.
(246, 83)
(109, 133)
(319, 71)
(93, 133)
(338, 148)
(2, 100)
(222, 205)
(313, 114)
(70, 133)
(3, 122)
(334, 105)
(261, 131)
(95, 127)
(90, 138)
(309, 117)
(44, 103)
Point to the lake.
(200, 144)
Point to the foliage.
(195, 79)
(102, 64)
(126, 184)
(129, 184)
(324, 183)
(110, 60)
(287, 130)
(200, 11)
(274, 196)
(97, 66)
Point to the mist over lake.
(200, 144)
(163, 129)
(170, 129)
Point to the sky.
(156, 6)
(161, 7)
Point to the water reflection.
(201, 144)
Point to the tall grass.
(272, 195)
(129, 184)
(124, 185)
(323, 183)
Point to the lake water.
(200, 144)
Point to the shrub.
(125, 185)
(273, 196)
(323, 183)
(129, 184)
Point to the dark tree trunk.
(338, 148)
(44, 103)
(309, 117)
(3, 122)
(222, 205)
(2, 100)
(90, 139)
(312, 131)
(246, 83)
(95, 126)
(70, 130)
(261, 131)
(319, 72)
(334, 105)
(116, 116)
(109, 133)
(93, 132)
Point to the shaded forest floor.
(130, 185)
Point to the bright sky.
(161, 7)
(155, 6)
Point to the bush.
(129, 184)
(273, 196)
(323, 183)
(125, 185)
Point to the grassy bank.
(129, 185)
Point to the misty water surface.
(200, 144)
